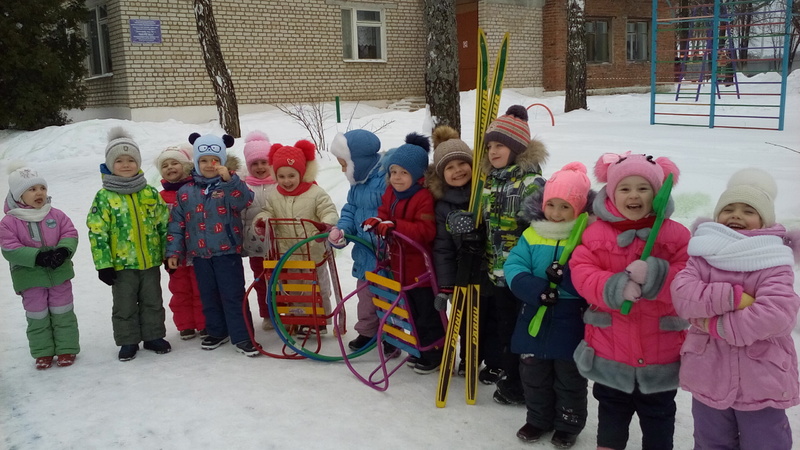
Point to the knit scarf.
(174, 186)
(122, 185)
(26, 213)
(253, 181)
(408, 193)
(301, 188)
(553, 230)
(730, 250)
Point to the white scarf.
(27, 214)
(729, 250)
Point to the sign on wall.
(145, 31)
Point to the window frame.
(355, 23)
(645, 46)
(608, 34)
(103, 45)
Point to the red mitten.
(260, 227)
(370, 223)
(384, 228)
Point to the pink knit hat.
(569, 184)
(256, 148)
(612, 168)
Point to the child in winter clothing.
(175, 165)
(260, 180)
(632, 359)
(739, 360)
(38, 241)
(297, 196)
(449, 179)
(127, 224)
(206, 226)
(407, 207)
(357, 153)
(512, 165)
(555, 392)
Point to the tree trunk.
(441, 65)
(227, 107)
(576, 58)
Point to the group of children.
(616, 311)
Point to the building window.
(99, 60)
(363, 34)
(636, 41)
(597, 41)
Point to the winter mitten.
(657, 271)
(370, 223)
(107, 275)
(260, 227)
(336, 238)
(637, 271)
(555, 272)
(384, 228)
(549, 297)
(60, 256)
(441, 301)
(632, 291)
(43, 258)
(460, 222)
(746, 301)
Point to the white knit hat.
(754, 187)
(181, 153)
(121, 143)
(22, 178)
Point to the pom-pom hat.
(299, 157)
(256, 147)
(209, 144)
(447, 146)
(510, 130)
(612, 168)
(569, 184)
(754, 187)
(121, 143)
(21, 178)
(411, 156)
(359, 149)
(181, 153)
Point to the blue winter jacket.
(206, 220)
(562, 326)
(363, 200)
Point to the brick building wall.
(523, 19)
(256, 38)
(619, 72)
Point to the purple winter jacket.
(748, 360)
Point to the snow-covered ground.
(197, 399)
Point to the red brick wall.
(618, 72)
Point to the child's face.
(740, 216)
(172, 170)
(633, 197)
(125, 166)
(35, 196)
(457, 173)
(260, 169)
(558, 210)
(288, 178)
(342, 163)
(399, 178)
(208, 166)
(499, 154)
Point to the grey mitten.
(441, 300)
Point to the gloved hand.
(384, 228)
(746, 301)
(555, 272)
(167, 268)
(370, 223)
(44, 258)
(60, 255)
(637, 271)
(700, 324)
(441, 301)
(632, 291)
(260, 227)
(107, 275)
(549, 297)
(460, 222)
(336, 238)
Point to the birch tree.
(227, 107)
(576, 57)
(441, 63)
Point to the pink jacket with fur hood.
(747, 360)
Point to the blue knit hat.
(359, 149)
(210, 144)
(411, 156)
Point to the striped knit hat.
(510, 130)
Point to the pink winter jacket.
(748, 361)
(621, 351)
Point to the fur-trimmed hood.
(531, 160)
(233, 163)
(434, 183)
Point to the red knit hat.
(298, 157)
